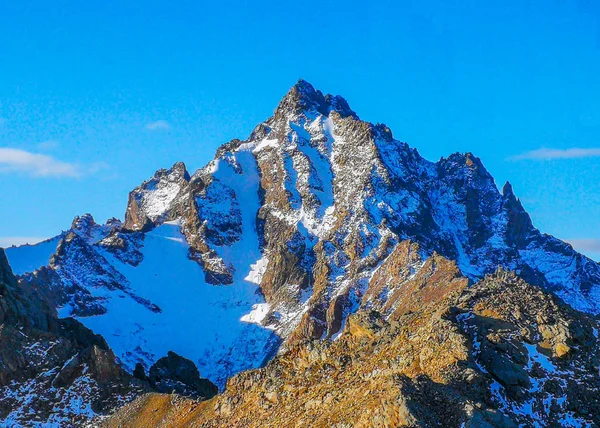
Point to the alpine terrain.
(318, 273)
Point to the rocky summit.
(319, 273)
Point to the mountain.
(284, 237)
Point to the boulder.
(175, 374)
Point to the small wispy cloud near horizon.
(586, 244)
(9, 241)
(36, 164)
(39, 165)
(544, 154)
(159, 125)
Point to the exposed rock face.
(86, 227)
(149, 202)
(53, 371)
(285, 235)
(488, 355)
(16, 307)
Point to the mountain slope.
(501, 353)
(277, 239)
(148, 298)
(56, 372)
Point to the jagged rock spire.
(519, 226)
(83, 222)
(303, 97)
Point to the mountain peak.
(304, 86)
(6, 273)
(304, 98)
(179, 170)
(322, 228)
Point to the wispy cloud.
(47, 145)
(589, 244)
(8, 241)
(159, 125)
(36, 164)
(549, 154)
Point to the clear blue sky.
(81, 84)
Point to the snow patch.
(257, 270)
(157, 201)
(28, 258)
(258, 313)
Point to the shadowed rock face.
(175, 374)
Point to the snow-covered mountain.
(276, 239)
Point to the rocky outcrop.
(77, 269)
(150, 202)
(175, 374)
(86, 227)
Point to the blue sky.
(96, 96)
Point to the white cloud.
(590, 244)
(159, 125)
(35, 164)
(549, 154)
(7, 241)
